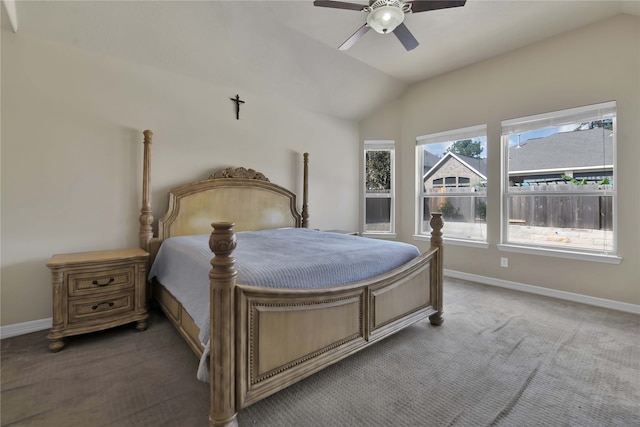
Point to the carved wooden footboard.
(263, 340)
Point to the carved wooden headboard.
(249, 203)
(242, 196)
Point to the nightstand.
(97, 290)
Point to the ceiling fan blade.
(427, 5)
(354, 37)
(338, 5)
(406, 38)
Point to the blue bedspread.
(277, 258)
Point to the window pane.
(465, 216)
(560, 179)
(378, 171)
(454, 182)
(572, 222)
(379, 187)
(576, 154)
(378, 215)
(454, 162)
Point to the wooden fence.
(586, 212)
(460, 209)
(540, 208)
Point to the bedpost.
(436, 223)
(146, 215)
(305, 192)
(222, 279)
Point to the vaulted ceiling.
(288, 49)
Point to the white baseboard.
(569, 296)
(9, 331)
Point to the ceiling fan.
(387, 16)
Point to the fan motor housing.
(385, 15)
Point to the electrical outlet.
(504, 262)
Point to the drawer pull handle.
(95, 306)
(111, 279)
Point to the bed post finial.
(146, 215)
(436, 223)
(222, 279)
(436, 229)
(305, 192)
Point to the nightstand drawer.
(97, 281)
(86, 309)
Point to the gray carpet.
(501, 358)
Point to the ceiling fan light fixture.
(385, 16)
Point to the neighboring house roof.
(478, 166)
(579, 149)
(563, 151)
(429, 161)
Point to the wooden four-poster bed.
(263, 339)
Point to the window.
(559, 180)
(379, 159)
(452, 179)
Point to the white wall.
(594, 64)
(71, 168)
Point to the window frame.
(471, 132)
(557, 118)
(380, 145)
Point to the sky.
(540, 133)
(440, 148)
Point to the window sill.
(455, 242)
(558, 253)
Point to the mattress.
(277, 258)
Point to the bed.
(263, 339)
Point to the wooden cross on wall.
(238, 101)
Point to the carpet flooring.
(501, 358)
